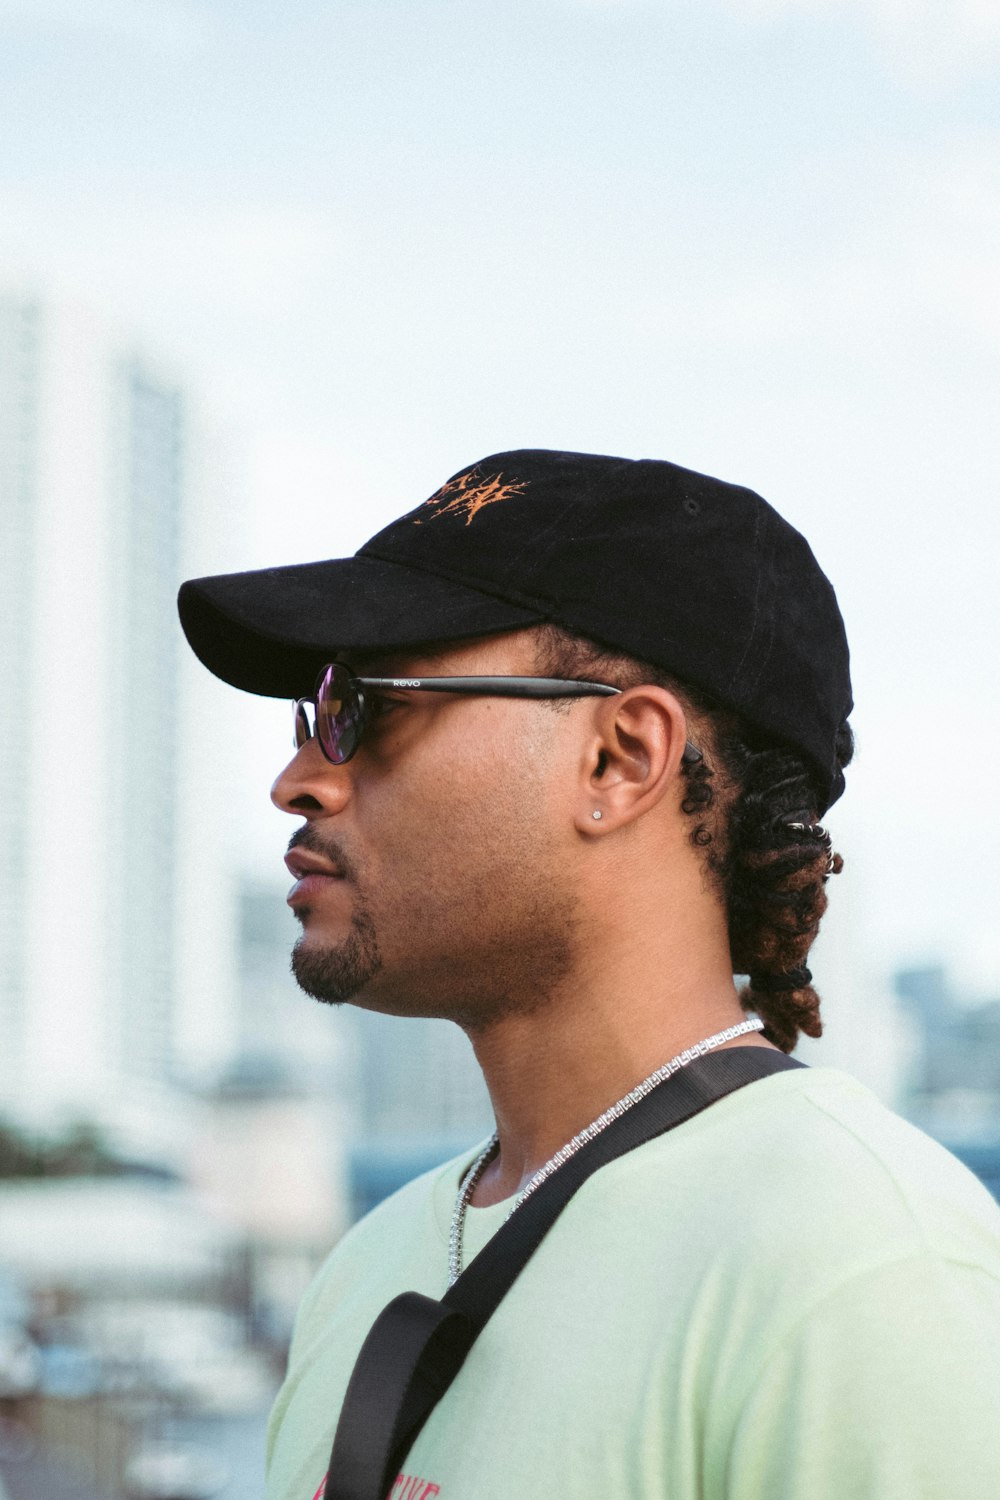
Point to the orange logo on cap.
(467, 494)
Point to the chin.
(335, 972)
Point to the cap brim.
(270, 631)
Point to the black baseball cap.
(698, 577)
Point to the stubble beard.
(338, 973)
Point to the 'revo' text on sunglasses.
(341, 714)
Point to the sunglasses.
(340, 710)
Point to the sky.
(380, 240)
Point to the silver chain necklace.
(468, 1186)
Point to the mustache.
(307, 837)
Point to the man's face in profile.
(433, 867)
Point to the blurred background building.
(92, 489)
(953, 1084)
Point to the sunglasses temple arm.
(499, 687)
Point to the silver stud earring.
(597, 813)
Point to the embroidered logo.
(468, 494)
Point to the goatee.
(337, 974)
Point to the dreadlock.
(753, 803)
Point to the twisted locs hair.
(753, 806)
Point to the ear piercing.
(597, 813)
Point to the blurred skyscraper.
(92, 480)
(19, 379)
(954, 1084)
(957, 1063)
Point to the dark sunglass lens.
(303, 729)
(338, 714)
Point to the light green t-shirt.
(793, 1296)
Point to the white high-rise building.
(92, 482)
(19, 383)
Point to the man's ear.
(631, 757)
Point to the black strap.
(417, 1346)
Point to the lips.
(313, 875)
(302, 862)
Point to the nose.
(310, 786)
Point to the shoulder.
(839, 1272)
(790, 1186)
(877, 1262)
(828, 1142)
(819, 1139)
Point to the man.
(792, 1294)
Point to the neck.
(553, 1071)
